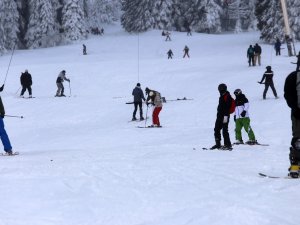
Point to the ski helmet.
(222, 87)
(237, 91)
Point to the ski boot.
(142, 118)
(294, 171)
(216, 146)
(251, 142)
(239, 142)
(133, 119)
(226, 147)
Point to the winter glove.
(2, 115)
(225, 119)
(234, 118)
(296, 113)
(243, 114)
(1, 88)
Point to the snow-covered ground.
(82, 163)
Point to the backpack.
(232, 104)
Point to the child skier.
(242, 119)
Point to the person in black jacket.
(170, 54)
(222, 119)
(138, 97)
(268, 77)
(257, 54)
(26, 82)
(291, 95)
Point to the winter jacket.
(26, 79)
(268, 76)
(277, 45)
(155, 99)
(61, 77)
(241, 104)
(138, 94)
(224, 105)
(257, 49)
(250, 52)
(291, 93)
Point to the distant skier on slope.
(138, 97)
(277, 46)
(268, 77)
(59, 83)
(250, 55)
(186, 52)
(222, 120)
(84, 49)
(242, 119)
(292, 95)
(170, 54)
(26, 82)
(154, 98)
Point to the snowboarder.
(186, 52)
(138, 97)
(154, 98)
(170, 54)
(268, 77)
(59, 82)
(291, 95)
(257, 54)
(250, 55)
(4, 137)
(168, 38)
(26, 82)
(241, 118)
(84, 49)
(277, 46)
(222, 120)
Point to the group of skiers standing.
(153, 98)
(254, 55)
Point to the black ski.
(148, 127)
(275, 177)
(251, 144)
(293, 62)
(219, 149)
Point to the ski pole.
(146, 115)
(70, 88)
(21, 117)
(9, 63)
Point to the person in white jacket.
(241, 118)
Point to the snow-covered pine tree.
(2, 37)
(42, 29)
(270, 20)
(73, 21)
(9, 18)
(206, 16)
(103, 12)
(294, 17)
(247, 15)
(162, 14)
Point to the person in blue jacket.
(138, 97)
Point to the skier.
(59, 82)
(268, 76)
(26, 82)
(3, 135)
(84, 49)
(222, 120)
(291, 95)
(154, 98)
(250, 55)
(170, 54)
(189, 31)
(168, 38)
(186, 52)
(241, 118)
(277, 46)
(138, 96)
(257, 54)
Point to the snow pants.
(295, 149)
(267, 85)
(155, 118)
(60, 89)
(251, 60)
(186, 54)
(4, 137)
(24, 87)
(257, 58)
(136, 105)
(219, 125)
(239, 124)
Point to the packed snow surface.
(82, 162)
